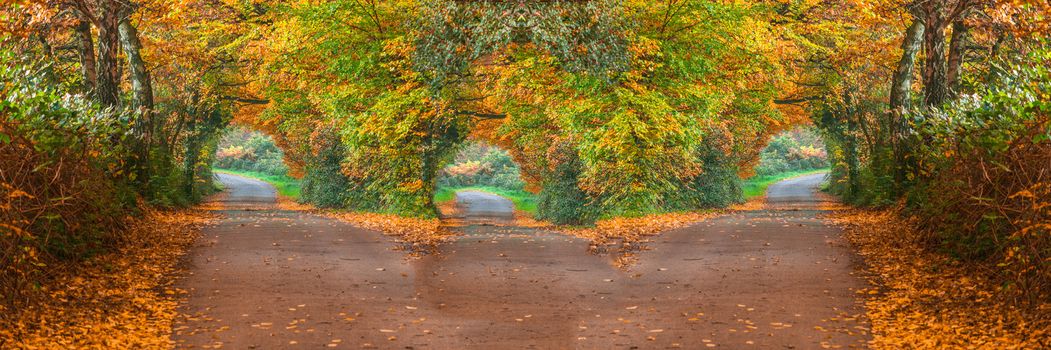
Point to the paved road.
(265, 278)
(482, 207)
(245, 193)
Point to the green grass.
(756, 186)
(285, 185)
(523, 200)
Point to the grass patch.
(524, 201)
(286, 185)
(757, 185)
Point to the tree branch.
(254, 101)
(795, 101)
(482, 115)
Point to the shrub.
(246, 150)
(561, 200)
(71, 172)
(796, 150)
(984, 179)
(63, 193)
(324, 183)
(479, 164)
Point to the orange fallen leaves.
(758, 203)
(928, 300)
(419, 233)
(630, 230)
(121, 299)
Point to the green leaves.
(612, 99)
(585, 36)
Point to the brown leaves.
(44, 195)
(122, 299)
(420, 233)
(630, 230)
(927, 300)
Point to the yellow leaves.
(115, 301)
(917, 306)
(633, 229)
(18, 194)
(419, 233)
(411, 186)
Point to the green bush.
(983, 189)
(245, 150)
(718, 186)
(324, 183)
(70, 171)
(561, 200)
(479, 164)
(792, 151)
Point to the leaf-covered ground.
(121, 299)
(927, 300)
(417, 234)
(631, 230)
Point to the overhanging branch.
(254, 101)
(482, 115)
(794, 101)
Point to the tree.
(106, 16)
(86, 50)
(142, 99)
(941, 70)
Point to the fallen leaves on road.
(758, 203)
(287, 203)
(630, 230)
(928, 300)
(121, 299)
(420, 233)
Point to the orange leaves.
(116, 300)
(637, 228)
(928, 300)
(418, 233)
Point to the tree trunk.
(901, 88)
(141, 86)
(957, 48)
(935, 73)
(86, 50)
(142, 98)
(107, 90)
(901, 99)
(190, 157)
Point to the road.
(481, 207)
(267, 278)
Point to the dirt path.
(265, 278)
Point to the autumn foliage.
(43, 200)
(924, 299)
(632, 108)
(630, 114)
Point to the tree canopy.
(638, 108)
(610, 108)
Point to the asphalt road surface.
(481, 207)
(266, 278)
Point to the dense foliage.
(241, 149)
(99, 121)
(480, 164)
(610, 108)
(793, 151)
(992, 151)
(950, 118)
